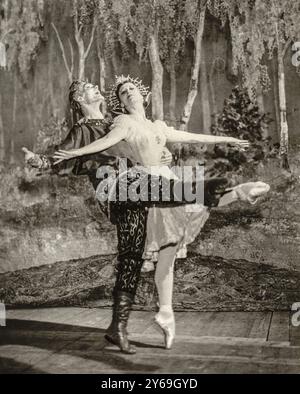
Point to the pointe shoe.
(251, 191)
(168, 329)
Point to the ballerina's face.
(130, 95)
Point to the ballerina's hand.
(166, 158)
(62, 155)
(242, 144)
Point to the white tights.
(164, 280)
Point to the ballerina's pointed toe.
(168, 330)
(251, 191)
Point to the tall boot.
(117, 331)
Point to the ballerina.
(169, 229)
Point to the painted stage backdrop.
(224, 67)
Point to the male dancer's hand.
(29, 156)
(32, 158)
(35, 160)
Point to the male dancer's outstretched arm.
(80, 135)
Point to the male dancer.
(85, 99)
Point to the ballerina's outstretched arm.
(187, 137)
(112, 138)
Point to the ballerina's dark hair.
(113, 99)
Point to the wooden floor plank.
(90, 317)
(236, 367)
(193, 323)
(71, 340)
(139, 322)
(229, 324)
(225, 324)
(52, 315)
(260, 325)
(81, 317)
(294, 331)
(210, 346)
(279, 327)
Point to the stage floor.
(70, 340)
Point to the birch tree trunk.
(193, 89)
(69, 69)
(173, 93)
(275, 92)
(2, 139)
(102, 68)
(14, 121)
(114, 63)
(157, 79)
(261, 106)
(52, 104)
(81, 59)
(213, 103)
(102, 71)
(102, 86)
(206, 118)
(260, 100)
(212, 82)
(284, 135)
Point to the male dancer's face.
(89, 94)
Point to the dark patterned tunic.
(130, 220)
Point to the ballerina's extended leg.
(249, 192)
(164, 282)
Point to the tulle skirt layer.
(173, 225)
